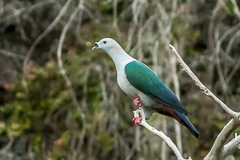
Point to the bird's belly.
(132, 91)
(127, 87)
(146, 100)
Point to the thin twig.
(39, 39)
(115, 3)
(177, 91)
(60, 63)
(68, 81)
(11, 54)
(8, 146)
(234, 70)
(45, 33)
(1, 7)
(236, 9)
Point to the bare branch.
(164, 150)
(11, 54)
(59, 58)
(8, 146)
(39, 39)
(236, 9)
(68, 81)
(17, 12)
(233, 145)
(205, 90)
(177, 91)
(234, 70)
(1, 7)
(115, 3)
(45, 33)
(159, 133)
(215, 152)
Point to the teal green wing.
(144, 79)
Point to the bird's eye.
(104, 42)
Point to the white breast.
(130, 90)
(125, 85)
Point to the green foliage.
(104, 141)
(37, 143)
(230, 6)
(217, 122)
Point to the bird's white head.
(107, 44)
(114, 50)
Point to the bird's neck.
(120, 57)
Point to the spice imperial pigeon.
(148, 90)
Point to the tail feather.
(187, 124)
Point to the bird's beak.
(95, 46)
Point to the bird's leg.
(137, 120)
(137, 101)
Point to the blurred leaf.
(104, 141)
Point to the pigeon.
(138, 81)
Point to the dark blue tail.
(187, 124)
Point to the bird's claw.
(137, 101)
(137, 120)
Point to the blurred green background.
(59, 100)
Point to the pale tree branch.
(40, 38)
(169, 142)
(11, 54)
(230, 147)
(45, 33)
(236, 9)
(8, 146)
(218, 150)
(59, 58)
(1, 7)
(164, 150)
(205, 90)
(115, 3)
(215, 152)
(68, 81)
(177, 91)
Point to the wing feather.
(144, 79)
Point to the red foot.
(137, 120)
(137, 101)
